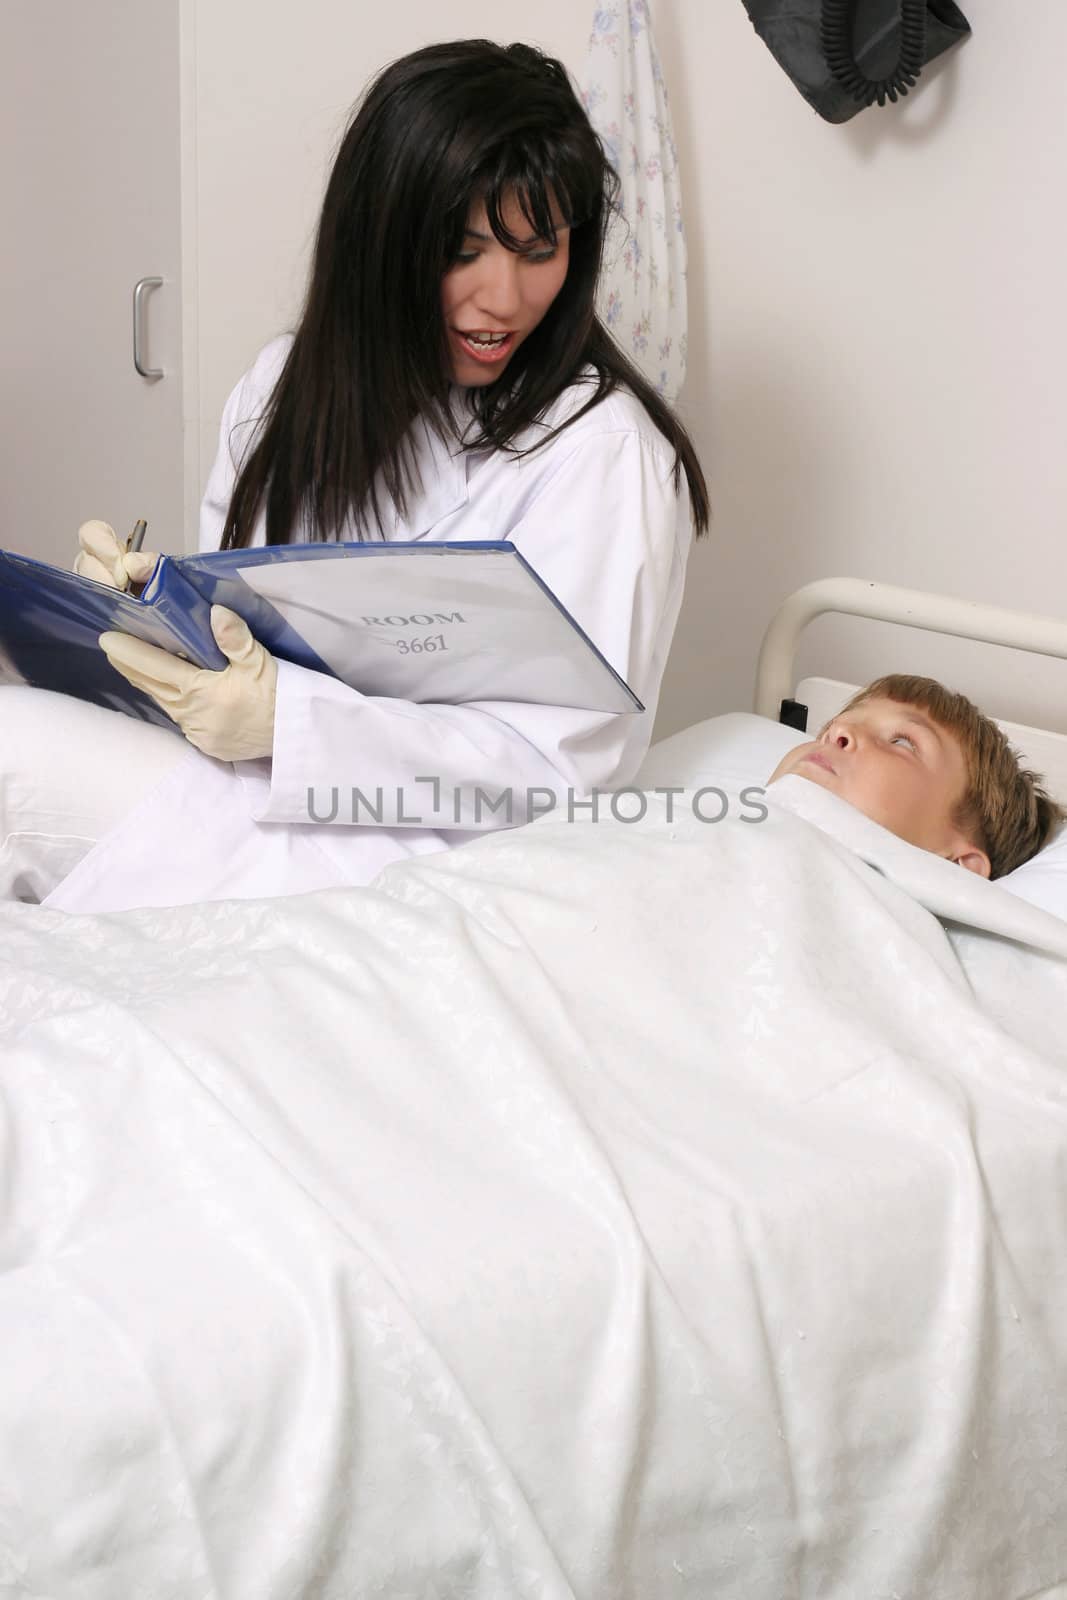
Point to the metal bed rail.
(884, 602)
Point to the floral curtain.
(643, 289)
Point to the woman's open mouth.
(488, 347)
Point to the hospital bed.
(613, 1209)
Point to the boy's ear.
(974, 860)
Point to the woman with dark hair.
(448, 379)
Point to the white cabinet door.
(90, 202)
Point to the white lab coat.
(596, 514)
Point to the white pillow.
(1043, 879)
(735, 750)
(740, 748)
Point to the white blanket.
(629, 1212)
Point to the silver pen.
(136, 539)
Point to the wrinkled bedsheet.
(621, 1211)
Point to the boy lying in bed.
(926, 764)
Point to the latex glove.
(104, 558)
(228, 714)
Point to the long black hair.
(446, 125)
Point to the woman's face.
(499, 294)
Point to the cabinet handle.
(141, 290)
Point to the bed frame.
(811, 702)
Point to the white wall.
(878, 330)
(876, 310)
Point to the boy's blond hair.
(1003, 809)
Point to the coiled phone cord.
(835, 34)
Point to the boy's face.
(899, 768)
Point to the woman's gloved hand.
(228, 714)
(104, 558)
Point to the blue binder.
(50, 621)
(477, 623)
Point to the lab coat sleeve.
(610, 534)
